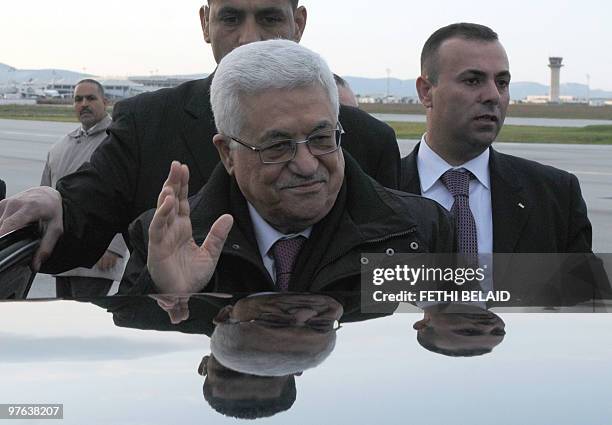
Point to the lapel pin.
(520, 204)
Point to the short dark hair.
(294, 3)
(252, 408)
(464, 30)
(94, 82)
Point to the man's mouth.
(305, 185)
(487, 118)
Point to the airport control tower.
(555, 73)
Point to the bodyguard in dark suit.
(535, 208)
(518, 205)
(149, 131)
(500, 203)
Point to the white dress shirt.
(431, 167)
(267, 236)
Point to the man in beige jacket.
(64, 158)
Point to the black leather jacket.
(367, 218)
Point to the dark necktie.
(458, 184)
(285, 253)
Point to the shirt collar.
(101, 125)
(267, 235)
(431, 166)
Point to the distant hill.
(518, 90)
(521, 90)
(360, 85)
(178, 76)
(8, 74)
(6, 68)
(378, 86)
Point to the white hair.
(260, 66)
(230, 345)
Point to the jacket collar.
(409, 179)
(99, 127)
(510, 204)
(197, 126)
(371, 208)
(197, 104)
(369, 212)
(432, 166)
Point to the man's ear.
(205, 22)
(203, 367)
(222, 143)
(223, 315)
(299, 16)
(424, 89)
(105, 101)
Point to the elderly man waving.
(285, 209)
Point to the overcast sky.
(357, 37)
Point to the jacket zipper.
(370, 241)
(394, 235)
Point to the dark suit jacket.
(2, 190)
(536, 209)
(126, 173)
(553, 215)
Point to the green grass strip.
(589, 135)
(592, 134)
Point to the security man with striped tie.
(500, 203)
(514, 205)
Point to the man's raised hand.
(176, 263)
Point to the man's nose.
(304, 163)
(250, 32)
(303, 315)
(490, 93)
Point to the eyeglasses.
(280, 151)
(274, 321)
